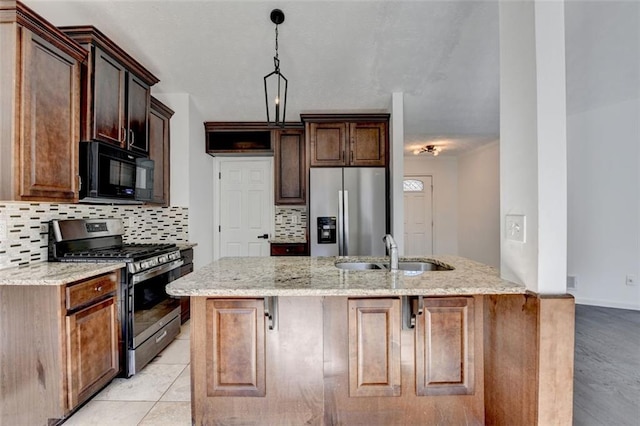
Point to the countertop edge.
(54, 273)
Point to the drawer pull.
(162, 336)
(99, 288)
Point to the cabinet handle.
(123, 134)
(99, 288)
(162, 336)
(132, 138)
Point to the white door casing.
(245, 206)
(418, 215)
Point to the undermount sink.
(361, 266)
(421, 266)
(415, 266)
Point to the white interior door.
(246, 207)
(418, 215)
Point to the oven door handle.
(158, 270)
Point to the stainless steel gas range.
(150, 318)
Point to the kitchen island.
(297, 340)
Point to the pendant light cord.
(276, 61)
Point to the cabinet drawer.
(297, 249)
(87, 291)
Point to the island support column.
(528, 361)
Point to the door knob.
(265, 236)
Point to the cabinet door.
(235, 347)
(374, 347)
(290, 167)
(444, 347)
(328, 143)
(138, 99)
(159, 138)
(368, 144)
(109, 99)
(92, 342)
(50, 96)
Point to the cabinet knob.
(99, 288)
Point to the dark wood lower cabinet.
(331, 361)
(59, 345)
(293, 378)
(374, 347)
(235, 355)
(470, 360)
(93, 349)
(445, 347)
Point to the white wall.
(479, 204)
(397, 169)
(533, 143)
(191, 173)
(604, 211)
(445, 198)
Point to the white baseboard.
(606, 303)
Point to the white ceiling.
(337, 55)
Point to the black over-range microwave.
(112, 175)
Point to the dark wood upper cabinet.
(138, 114)
(286, 144)
(290, 167)
(238, 138)
(337, 140)
(328, 143)
(159, 142)
(117, 92)
(368, 143)
(109, 79)
(40, 86)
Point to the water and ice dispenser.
(326, 230)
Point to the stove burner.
(126, 252)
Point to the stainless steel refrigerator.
(347, 211)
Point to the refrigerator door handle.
(345, 225)
(340, 224)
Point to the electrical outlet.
(572, 282)
(3, 229)
(631, 280)
(294, 219)
(516, 227)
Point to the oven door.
(154, 316)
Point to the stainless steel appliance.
(150, 318)
(348, 211)
(113, 175)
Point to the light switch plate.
(516, 227)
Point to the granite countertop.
(318, 276)
(288, 240)
(184, 246)
(55, 273)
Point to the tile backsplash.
(291, 223)
(24, 226)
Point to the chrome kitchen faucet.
(392, 250)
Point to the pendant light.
(275, 84)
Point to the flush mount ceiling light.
(431, 149)
(275, 84)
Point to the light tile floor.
(158, 395)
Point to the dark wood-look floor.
(607, 367)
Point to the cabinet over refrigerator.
(348, 211)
